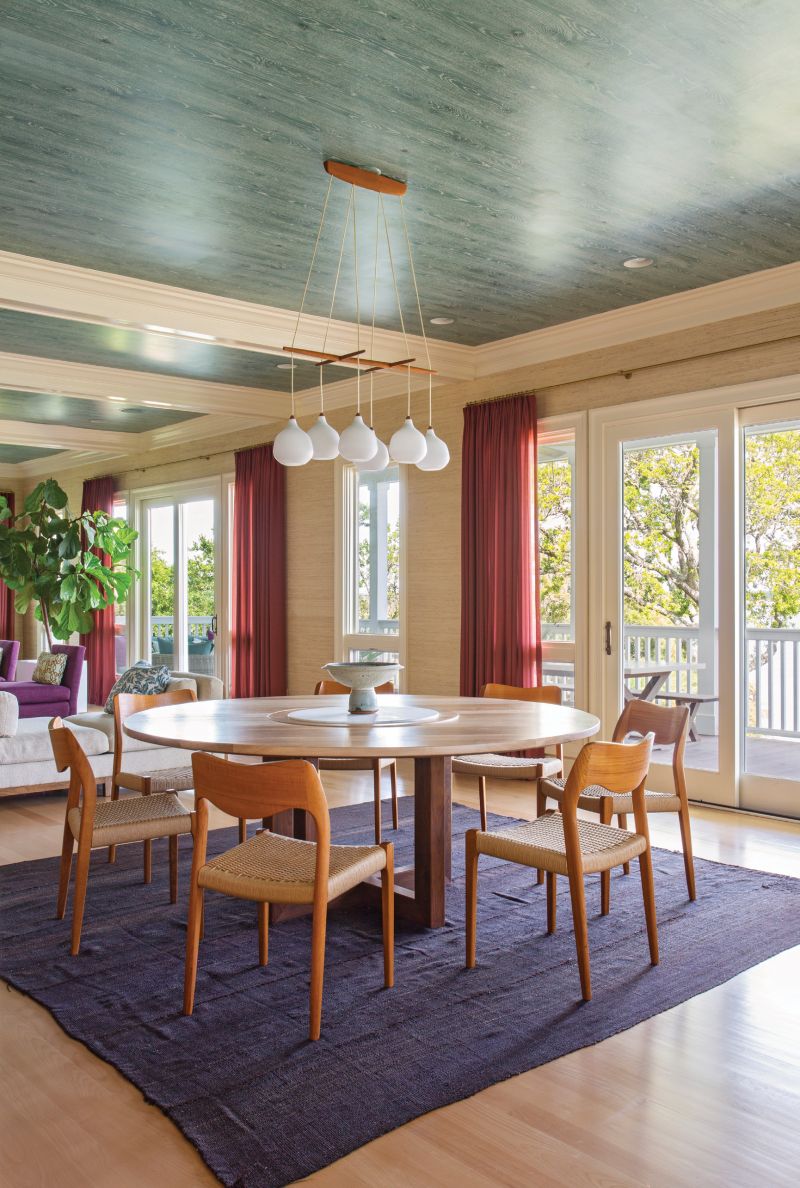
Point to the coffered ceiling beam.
(65, 437)
(65, 291)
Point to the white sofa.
(26, 758)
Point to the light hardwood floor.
(706, 1094)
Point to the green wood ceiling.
(43, 408)
(544, 142)
(11, 454)
(138, 350)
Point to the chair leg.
(112, 850)
(387, 915)
(148, 861)
(242, 830)
(472, 894)
(193, 934)
(649, 896)
(395, 805)
(81, 879)
(173, 868)
(551, 901)
(482, 802)
(318, 925)
(578, 898)
(541, 805)
(202, 913)
(67, 847)
(622, 821)
(376, 792)
(605, 875)
(688, 860)
(263, 933)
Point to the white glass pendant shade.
(437, 455)
(407, 443)
(358, 442)
(324, 439)
(292, 446)
(379, 460)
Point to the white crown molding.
(85, 381)
(65, 291)
(755, 293)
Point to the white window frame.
(346, 571)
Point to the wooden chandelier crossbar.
(353, 359)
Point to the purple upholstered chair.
(52, 701)
(8, 664)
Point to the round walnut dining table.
(464, 725)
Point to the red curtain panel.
(6, 595)
(98, 495)
(258, 654)
(500, 621)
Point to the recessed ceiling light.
(442, 321)
(637, 262)
(156, 404)
(284, 366)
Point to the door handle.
(608, 637)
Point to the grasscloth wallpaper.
(758, 346)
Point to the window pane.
(121, 610)
(555, 491)
(561, 673)
(198, 533)
(162, 583)
(378, 542)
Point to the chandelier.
(359, 443)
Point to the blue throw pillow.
(139, 679)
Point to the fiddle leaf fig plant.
(57, 562)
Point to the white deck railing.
(773, 681)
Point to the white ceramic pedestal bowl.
(361, 679)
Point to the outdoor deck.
(777, 757)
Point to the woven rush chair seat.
(271, 868)
(541, 843)
(507, 767)
(655, 802)
(171, 779)
(134, 818)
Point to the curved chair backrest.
(126, 704)
(249, 792)
(328, 687)
(669, 724)
(68, 753)
(551, 694)
(619, 767)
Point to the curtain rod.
(196, 458)
(627, 372)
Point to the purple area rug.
(263, 1105)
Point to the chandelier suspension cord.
(419, 310)
(397, 294)
(313, 258)
(338, 269)
(374, 303)
(358, 304)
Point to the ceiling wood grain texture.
(183, 141)
(141, 350)
(44, 408)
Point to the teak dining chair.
(564, 844)
(669, 726)
(93, 824)
(509, 767)
(172, 779)
(271, 868)
(376, 766)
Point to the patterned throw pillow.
(49, 668)
(139, 680)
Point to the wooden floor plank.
(705, 1094)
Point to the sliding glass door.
(698, 545)
(770, 600)
(183, 580)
